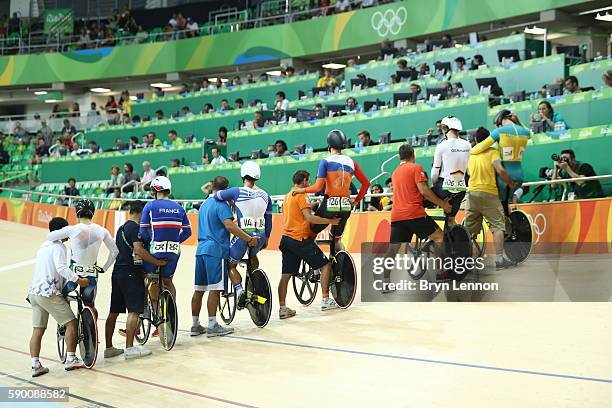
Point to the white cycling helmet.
(251, 169)
(161, 183)
(452, 122)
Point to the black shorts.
(456, 199)
(402, 231)
(336, 230)
(128, 290)
(294, 252)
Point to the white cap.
(160, 183)
(452, 122)
(251, 169)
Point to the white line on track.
(17, 265)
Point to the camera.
(546, 173)
(556, 158)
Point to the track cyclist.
(450, 164)
(86, 237)
(254, 213)
(335, 173)
(511, 138)
(164, 226)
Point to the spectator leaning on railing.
(569, 167)
(70, 190)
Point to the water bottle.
(166, 144)
(358, 145)
(414, 140)
(426, 141)
(561, 126)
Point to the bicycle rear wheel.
(144, 324)
(343, 285)
(227, 305)
(260, 298)
(88, 336)
(458, 247)
(168, 320)
(305, 285)
(518, 241)
(61, 342)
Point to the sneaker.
(197, 330)
(155, 333)
(328, 304)
(285, 313)
(135, 352)
(242, 300)
(112, 352)
(218, 330)
(505, 263)
(38, 371)
(73, 364)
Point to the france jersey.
(164, 226)
(254, 214)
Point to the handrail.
(382, 168)
(274, 198)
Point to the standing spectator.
(93, 110)
(111, 105)
(571, 85)
(117, 179)
(174, 139)
(222, 136)
(125, 103)
(181, 22)
(326, 80)
(20, 133)
(75, 110)
(55, 111)
(70, 190)
(46, 132)
(217, 158)
(141, 36)
(148, 174)
(68, 128)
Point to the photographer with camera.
(566, 167)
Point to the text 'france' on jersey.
(164, 225)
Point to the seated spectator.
(57, 149)
(435, 136)
(130, 175)
(93, 146)
(402, 65)
(175, 163)
(160, 172)
(225, 106)
(141, 36)
(239, 103)
(281, 149)
(250, 79)
(236, 81)
(119, 145)
(342, 6)
(415, 89)
(136, 120)
(460, 64)
(448, 41)
(193, 27)
(365, 139)
(423, 70)
(387, 50)
(159, 114)
(571, 85)
(185, 112)
(263, 77)
(219, 83)
(326, 80)
(4, 156)
(117, 203)
(270, 151)
(222, 136)
(117, 179)
(148, 174)
(111, 105)
(152, 140)
(70, 190)
(281, 104)
(458, 90)
(387, 201)
(551, 118)
(184, 90)
(175, 140)
(395, 79)
(20, 132)
(350, 63)
(607, 78)
(352, 106)
(289, 72)
(369, 3)
(207, 108)
(477, 61)
(375, 204)
(41, 152)
(46, 131)
(217, 158)
(569, 167)
(133, 143)
(259, 121)
(173, 22)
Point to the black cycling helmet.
(85, 208)
(501, 115)
(336, 139)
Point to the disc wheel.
(519, 237)
(168, 318)
(227, 305)
(305, 285)
(144, 324)
(458, 247)
(259, 295)
(88, 336)
(61, 343)
(344, 279)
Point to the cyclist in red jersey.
(335, 173)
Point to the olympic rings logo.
(538, 224)
(389, 22)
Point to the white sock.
(499, 258)
(212, 321)
(35, 362)
(70, 356)
(196, 320)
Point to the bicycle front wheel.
(168, 318)
(144, 323)
(343, 285)
(88, 336)
(260, 294)
(227, 305)
(61, 343)
(305, 285)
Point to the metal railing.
(85, 120)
